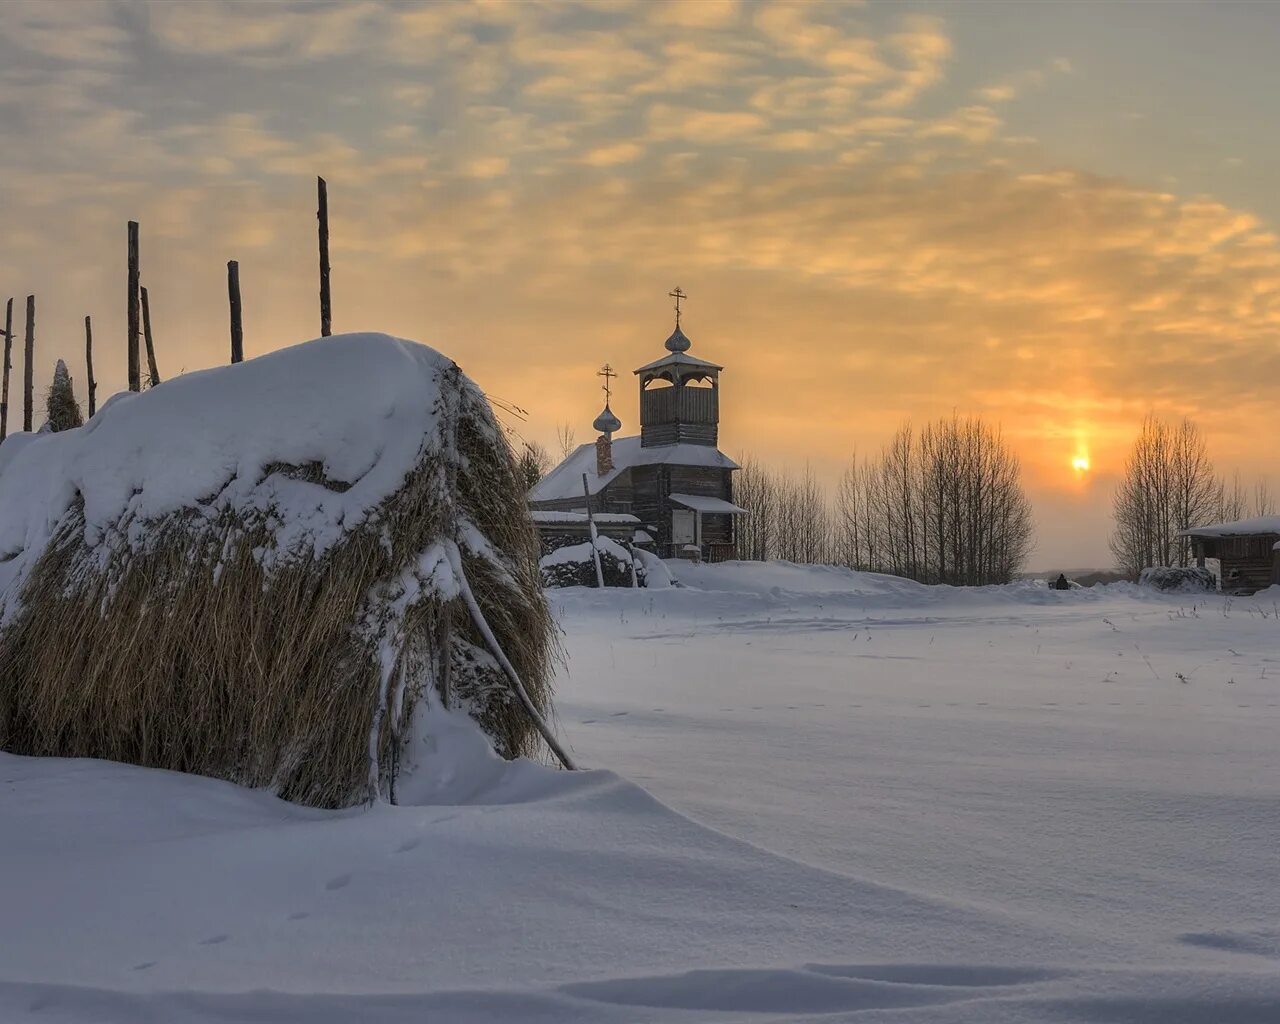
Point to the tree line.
(942, 504)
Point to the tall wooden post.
(135, 366)
(28, 397)
(233, 294)
(146, 333)
(322, 214)
(8, 363)
(88, 365)
(591, 527)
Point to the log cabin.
(671, 476)
(1248, 551)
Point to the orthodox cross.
(608, 374)
(677, 295)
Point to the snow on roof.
(565, 481)
(603, 518)
(1242, 527)
(360, 408)
(701, 503)
(679, 359)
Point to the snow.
(360, 406)
(1259, 524)
(565, 481)
(702, 503)
(580, 518)
(815, 795)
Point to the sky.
(1059, 217)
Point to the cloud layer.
(520, 184)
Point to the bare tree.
(755, 488)
(1168, 486)
(565, 440)
(1263, 503)
(941, 505)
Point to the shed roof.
(702, 503)
(1259, 525)
(565, 481)
(679, 359)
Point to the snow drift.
(254, 572)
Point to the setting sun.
(1080, 462)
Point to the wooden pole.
(591, 526)
(135, 366)
(88, 364)
(233, 294)
(322, 214)
(8, 363)
(29, 369)
(151, 348)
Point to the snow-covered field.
(818, 796)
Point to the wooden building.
(671, 477)
(1248, 551)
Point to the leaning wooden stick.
(151, 348)
(88, 366)
(8, 353)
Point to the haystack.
(257, 572)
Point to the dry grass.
(188, 655)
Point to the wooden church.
(672, 477)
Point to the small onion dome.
(678, 342)
(607, 422)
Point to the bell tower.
(679, 394)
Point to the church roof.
(565, 481)
(679, 359)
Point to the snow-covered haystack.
(255, 572)
(574, 566)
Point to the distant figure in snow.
(1061, 582)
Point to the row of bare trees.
(1169, 485)
(943, 504)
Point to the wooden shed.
(1248, 551)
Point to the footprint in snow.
(617, 714)
(299, 915)
(409, 844)
(588, 721)
(341, 882)
(214, 940)
(145, 965)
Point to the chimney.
(604, 455)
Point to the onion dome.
(607, 422)
(678, 342)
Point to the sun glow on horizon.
(1080, 461)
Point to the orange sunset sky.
(1060, 217)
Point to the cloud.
(521, 183)
(74, 31)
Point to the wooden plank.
(322, 215)
(233, 297)
(135, 367)
(88, 363)
(8, 363)
(151, 348)
(28, 396)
